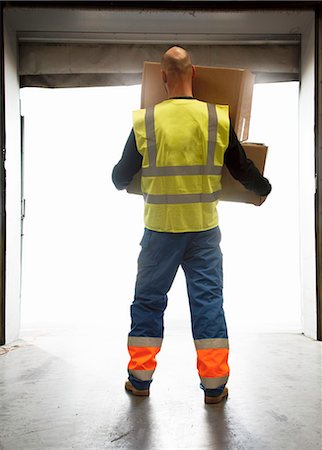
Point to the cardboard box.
(214, 85)
(232, 190)
(233, 87)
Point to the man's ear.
(193, 68)
(164, 76)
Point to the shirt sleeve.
(129, 164)
(243, 169)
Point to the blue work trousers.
(200, 256)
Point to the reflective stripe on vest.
(182, 143)
(208, 169)
(181, 198)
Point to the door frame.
(311, 297)
(318, 168)
(2, 187)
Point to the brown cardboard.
(233, 87)
(135, 186)
(232, 190)
(214, 85)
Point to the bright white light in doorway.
(82, 236)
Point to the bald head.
(176, 60)
(177, 72)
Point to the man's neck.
(180, 90)
(179, 93)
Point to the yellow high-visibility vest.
(182, 142)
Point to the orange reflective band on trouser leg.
(143, 362)
(213, 363)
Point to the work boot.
(139, 392)
(218, 398)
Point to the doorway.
(81, 236)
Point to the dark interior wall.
(2, 187)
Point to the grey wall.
(307, 182)
(13, 185)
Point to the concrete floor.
(63, 389)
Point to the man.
(181, 145)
